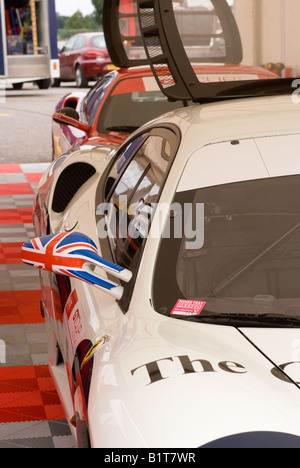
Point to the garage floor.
(30, 412)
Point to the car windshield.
(246, 269)
(131, 104)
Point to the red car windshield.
(131, 104)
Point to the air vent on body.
(70, 181)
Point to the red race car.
(123, 101)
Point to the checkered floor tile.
(33, 434)
(31, 415)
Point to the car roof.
(203, 124)
(90, 34)
(205, 68)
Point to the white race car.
(170, 274)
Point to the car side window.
(69, 44)
(135, 193)
(79, 43)
(94, 98)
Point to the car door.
(69, 55)
(64, 58)
(129, 196)
(66, 136)
(131, 187)
(75, 54)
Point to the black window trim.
(141, 178)
(109, 78)
(158, 130)
(124, 168)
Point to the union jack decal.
(71, 254)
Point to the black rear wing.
(171, 64)
(122, 33)
(172, 37)
(208, 35)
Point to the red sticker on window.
(186, 308)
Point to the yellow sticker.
(93, 349)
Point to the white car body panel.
(162, 382)
(248, 159)
(208, 404)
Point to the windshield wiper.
(248, 320)
(252, 263)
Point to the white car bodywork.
(158, 381)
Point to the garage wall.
(268, 29)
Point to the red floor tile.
(16, 216)
(20, 307)
(28, 394)
(33, 177)
(15, 189)
(11, 415)
(10, 168)
(10, 253)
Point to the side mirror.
(75, 255)
(69, 116)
